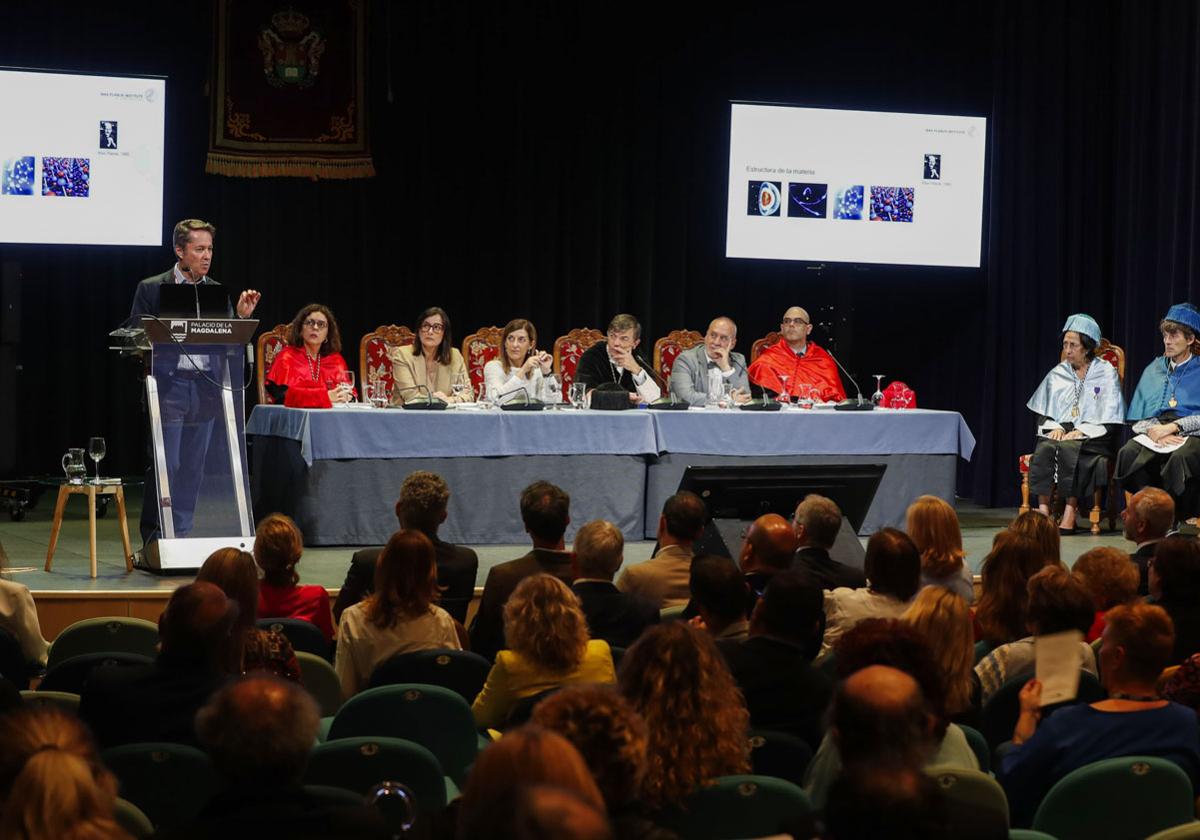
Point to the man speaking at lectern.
(187, 416)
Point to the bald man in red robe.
(801, 361)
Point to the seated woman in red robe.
(795, 363)
(308, 373)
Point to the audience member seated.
(612, 739)
(548, 646)
(158, 702)
(773, 667)
(259, 732)
(1149, 516)
(278, 545)
(898, 645)
(52, 783)
(520, 367)
(309, 372)
(400, 616)
(234, 571)
(768, 549)
(885, 800)
(676, 679)
(1175, 586)
(663, 579)
(1183, 686)
(943, 618)
(1042, 530)
(817, 521)
(18, 615)
(1058, 601)
(424, 500)
(614, 616)
(431, 366)
(1110, 579)
(933, 526)
(546, 512)
(893, 569)
(719, 598)
(1134, 720)
(1003, 595)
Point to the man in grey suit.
(690, 375)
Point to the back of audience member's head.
(793, 608)
(423, 499)
(199, 624)
(608, 732)
(278, 545)
(544, 623)
(1059, 601)
(770, 543)
(52, 782)
(696, 717)
(546, 511)
(536, 812)
(899, 645)
(882, 800)
(405, 579)
(259, 731)
(933, 526)
(684, 516)
(817, 521)
(1150, 515)
(1042, 530)
(599, 549)
(892, 564)
(944, 619)
(235, 572)
(1109, 576)
(1145, 635)
(1004, 598)
(879, 714)
(719, 592)
(1175, 571)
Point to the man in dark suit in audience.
(424, 497)
(773, 667)
(816, 522)
(158, 702)
(546, 512)
(614, 616)
(770, 544)
(720, 598)
(1148, 517)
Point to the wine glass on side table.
(96, 451)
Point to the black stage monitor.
(193, 300)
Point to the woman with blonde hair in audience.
(944, 619)
(1110, 578)
(547, 641)
(278, 545)
(1003, 596)
(932, 525)
(52, 783)
(400, 616)
(1042, 530)
(676, 678)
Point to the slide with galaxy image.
(17, 175)
(807, 201)
(764, 198)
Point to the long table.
(338, 471)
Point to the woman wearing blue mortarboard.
(1165, 411)
(1080, 410)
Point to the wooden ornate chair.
(763, 343)
(1115, 356)
(670, 346)
(373, 361)
(266, 347)
(478, 349)
(567, 350)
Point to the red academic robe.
(292, 368)
(815, 368)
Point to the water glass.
(577, 394)
(804, 396)
(346, 382)
(96, 452)
(460, 386)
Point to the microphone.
(523, 403)
(861, 404)
(658, 380)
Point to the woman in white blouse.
(520, 366)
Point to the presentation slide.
(827, 185)
(81, 158)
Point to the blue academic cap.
(1086, 325)
(1186, 314)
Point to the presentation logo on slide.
(108, 134)
(892, 204)
(765, 198)
(807, 201)
(17, 176)
(933, 167)
(848, 202)
(66, 176)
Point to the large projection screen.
(81, 158)
(820, 184)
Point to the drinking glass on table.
(459, 386)
(804, 396)
(96, 453)
(877, 397)
(784, 396)
(577, 394)
(346, 383)
(484, 395)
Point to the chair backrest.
(358, 764)
(567, 350)
(104, 635)
(170, 783)
(436, 718)
(779, 754)
(740, 806)
(321, 681)
(13, 666)
(72, 675)
(763, 343)
(1187, 831)
(1110, 353)
(373, 362)
(667, 348)
(304, 635)
(62, 700)
(1118, 797)
(461, 671)
(131, 818)
(979, 746)
(979, 797)
(266, 347)
(1000, 713)
(479, 348)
